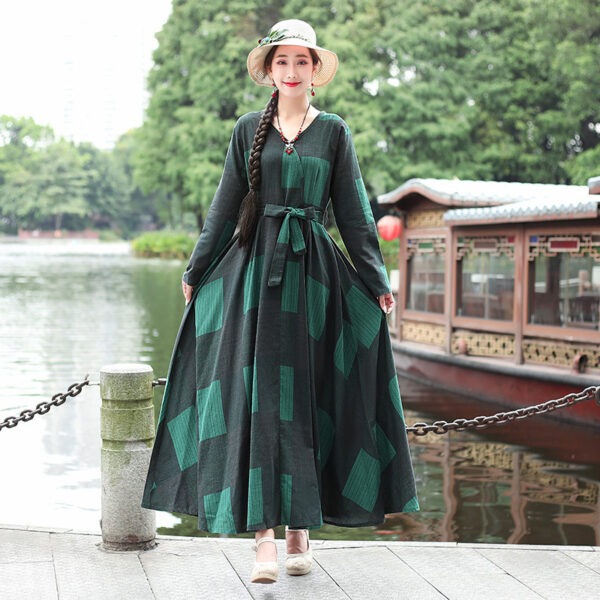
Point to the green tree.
(144, 211)
(444, 88)
(53, 188)
(20, 139)
(199, 87)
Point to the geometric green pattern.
(385, 448)
(183, 432)
(317, 296)
(211, 420)
(290, 286)
(286, 393)
(362, 486)
(364, 200)
(209, 307)
(318, 436)
(316, 173)
(365, 315)
(291, 171)
(345, 349)
(412, 505)
(286, 498)
(219, 512)
(252, 279)
(255, 497)
(395, 396)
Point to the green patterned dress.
(282, 403)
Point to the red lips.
(290, 84)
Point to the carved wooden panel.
(425, 333)
(551, 352)
(477, 343)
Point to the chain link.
(441, 427)
(44, 407)
(419, 429)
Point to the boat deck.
(49, 564)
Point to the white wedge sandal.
(264, 572)
(299, 564)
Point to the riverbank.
(50, 564)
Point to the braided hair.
(249, 207)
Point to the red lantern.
(389, 227)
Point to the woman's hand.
(386, 301)
(187, 292)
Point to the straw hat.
(292, 32)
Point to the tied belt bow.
(290, 231)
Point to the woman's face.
(292, 70)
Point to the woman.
(282, 402)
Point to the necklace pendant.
(289, 148)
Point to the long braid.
(249, 207)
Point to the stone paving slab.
(462, 573)
(61, 565)
(553, 574)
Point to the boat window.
(485, 280)
(426, 274)
(564, 276)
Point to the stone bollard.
(127, 428)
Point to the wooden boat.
(498, 289)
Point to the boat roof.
(475, 202)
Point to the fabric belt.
(289, 232)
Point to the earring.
(275, 90)
(312, 89)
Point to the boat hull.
(494, 381)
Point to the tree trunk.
(199, 221)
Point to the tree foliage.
(53, 184)
(474, 89)
(445, 88)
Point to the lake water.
(69, 308)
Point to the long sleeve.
(222, 216)
(354, 216)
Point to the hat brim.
(325, 71)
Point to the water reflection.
(67, 310)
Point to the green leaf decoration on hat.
(273, 36)
(277, 36)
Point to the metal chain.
(419, 429)
(441, 427)
(43, 407)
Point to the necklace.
(289, 144)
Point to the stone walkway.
(48, 565)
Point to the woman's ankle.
(267, 551)
(296, 541)
(264, 533)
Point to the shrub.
(163, 244)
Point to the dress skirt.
(282, 403)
